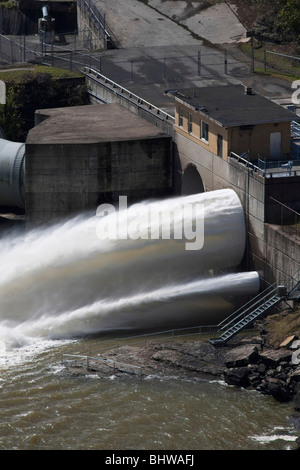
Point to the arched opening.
(191, 182)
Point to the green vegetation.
(7, 4)
(36, 88)
(285, 15)
(279, 66)
(17, 74)
(279, 327)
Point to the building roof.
(89, 124)
(233, 105)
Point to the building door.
(275, 145)
(220, 146)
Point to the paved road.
(161, 54)
(217, 24)
(137, 25)
(152, 34)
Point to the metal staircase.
(254, 309)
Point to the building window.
(204, 131)
(180, 117)
(190, 124)
(220, 146)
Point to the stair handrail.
(242, 310)
(242, 316)
(296, 276)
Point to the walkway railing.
(269, 168)
(117, 89)
(90, 361)
(76, 360)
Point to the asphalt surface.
(164, 46)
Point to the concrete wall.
(268, 251)
(278, 256)
(88, 30)
(64, 179)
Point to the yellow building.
(233, 118)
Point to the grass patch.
(280, 326)
(18, 73)
(277, 66)
(7, 4)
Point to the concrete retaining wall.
(80, 157)
(270, 251)
(62, 180)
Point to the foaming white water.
(63, 281)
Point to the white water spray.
(63, 281)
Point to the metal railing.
(285, 165)
(286, 63)
(295, 130)
(208, 331)
(127, 95)
(70, 53)
(90, 361)
(269, 168)
(257, 301)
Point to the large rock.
(237, 376)
(273, 357)
(275, 387)
(295, 376)
(242, 356)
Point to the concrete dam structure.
(80, 157)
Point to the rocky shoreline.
(247, 361)
(244, 363)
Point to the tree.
(288, 17)
(36, 91)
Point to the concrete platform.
(80, 157)
(90, 124)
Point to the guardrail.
(121, 91)
(76, 359)
(243, 311)
(269, 169)
(88, 360)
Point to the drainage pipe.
(12, 174)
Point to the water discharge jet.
(64, 281)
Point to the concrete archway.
(191, 182)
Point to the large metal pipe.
(12, 174)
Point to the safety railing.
(75, 359)
(269, 169)
(94, 74)
(91, 361)
(244, 309)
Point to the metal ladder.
(248, 313)
(256, 307)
